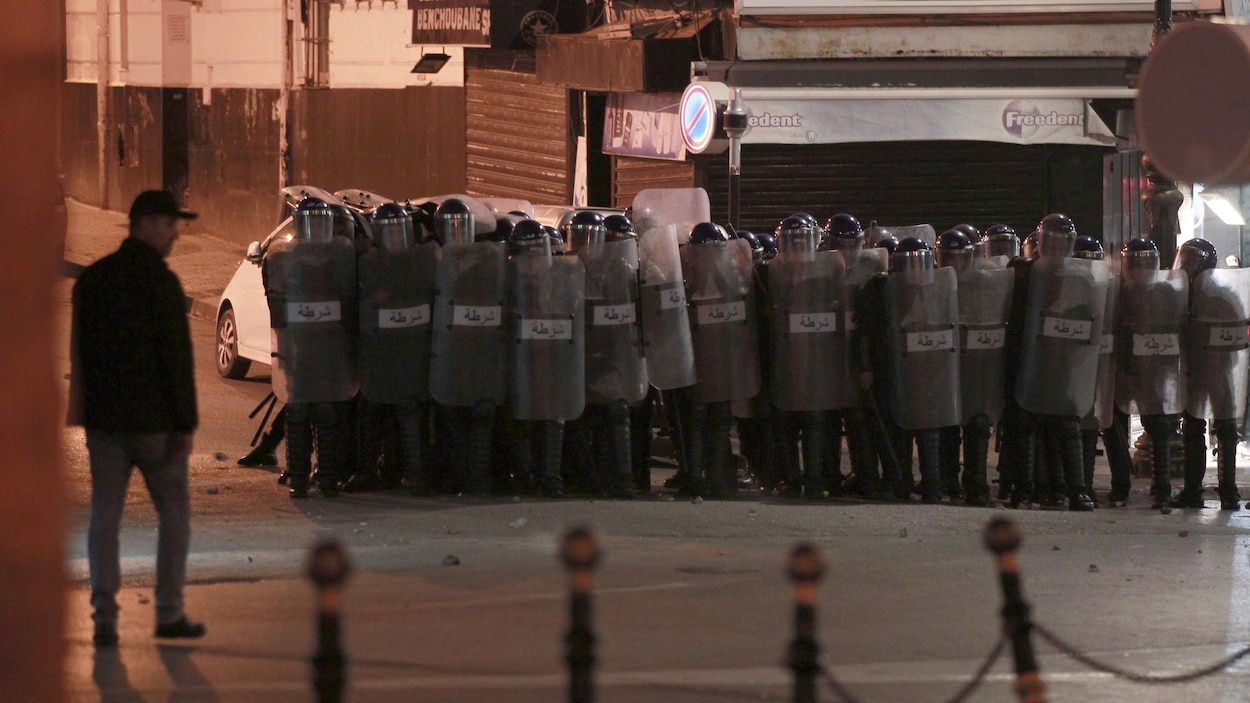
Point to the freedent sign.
(841, 120)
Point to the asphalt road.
(691, 602)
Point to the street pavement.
(459, 599)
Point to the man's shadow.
(109, 674)
(190, 685)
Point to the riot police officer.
(1219, 358)
(845, 235)
(1150, 360)
(720, 288)
(808, 351)
(912, 317)
(1105, 418)
(984, 294)
(1060, 324)
(469, 362)
(548, 379)
(310, 285)
(396, 280)
(616, 373)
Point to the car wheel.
(229, 363)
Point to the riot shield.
(311, 291)
(483, 217)
(1150, 359)
(548, 334)
(615, 367)
(396, 299)
(1061, 335)
(662, 217)
(1104, 393)
(923, 341)
(861, 265)
(724, 328)
(809, 346)
(991, 262)
(984, 304)
(470, 353)
(1217, 343)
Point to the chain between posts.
(1069, 650)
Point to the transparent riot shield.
(923, 341)
(548, 333)
(1104, 393)
(396, 320)
(991, 262)
(662, 218)
(924, 232)
(1150, 359)
(615, 367)
(984, 304)
(724, 328)
(809, 345)
(311, 291)
(1061, 335)
(861, 265)
(1218, 346)
(470, 341)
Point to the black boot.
(1066, 432)
(1194, 462)
(1160, 432)
(976, 435)
(1226, 463)
(263, 454)
(928, 444)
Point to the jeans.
(113, 455)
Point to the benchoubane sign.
(450, 22)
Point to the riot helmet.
(557, 239)
(618, 228)
(707, 232)
(1195, 256)
(975, 238)
(954, 249)
(585, 227)
(844, 232)
(1056, 235)
(1001, 240)
(757, 249)
(392, 227)
(798, 233)
(344, 222)
(912, 254)
(453, 222)
(1139, 254)
(1086, 247)
(1028, 248)
(314, 221)
(504, 225)
(528, 237)
(768, 243)
(889, 243)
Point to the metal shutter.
(631, 174)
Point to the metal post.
(580, 553)
(805, 568)
(328, 568)
(1002, 537)
(735, 124)
(1161, 199)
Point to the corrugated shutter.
(895, 183)
(518, 137)
(631, 174)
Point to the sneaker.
(182, 628)
(105, 635)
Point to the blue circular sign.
(698, 118)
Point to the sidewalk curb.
(202, 308)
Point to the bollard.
(805, 568)
(1002, 537)
(328, 568)
(580, 553)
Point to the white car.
(243, 333)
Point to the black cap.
(158, 202)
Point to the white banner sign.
(613, 314)
(939, 340)
(318, 311)
(545, 329)
(813, 322)
(830, 121)
(477, 315)
(393, 318)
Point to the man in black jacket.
(133, 390)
